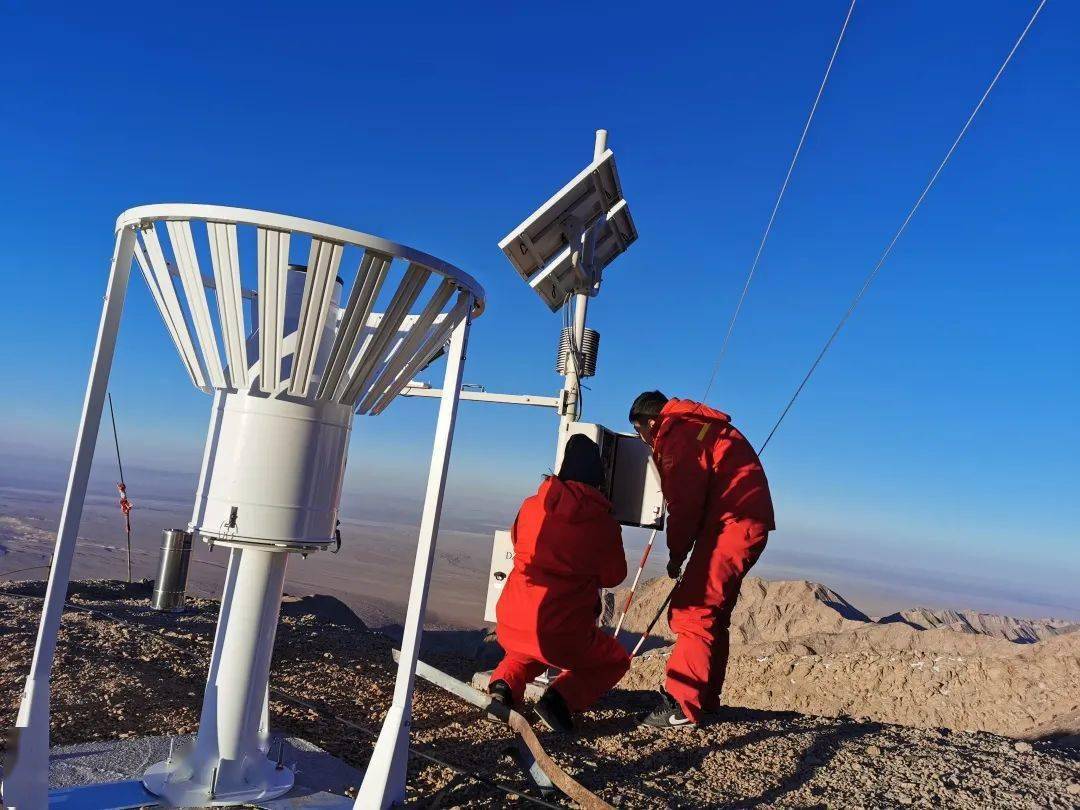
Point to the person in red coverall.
(567, 545)
(720, 514)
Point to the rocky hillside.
(799, 646)
(333, 681)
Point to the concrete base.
(96, 776)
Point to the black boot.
(553, 712)
(500, 693)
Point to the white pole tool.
(637, 578)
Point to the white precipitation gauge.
(289, 365)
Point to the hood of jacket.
(694, 410)
(572, 501)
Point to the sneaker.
(553, 712)
(667, 715)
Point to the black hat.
(581, 462)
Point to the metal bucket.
(172, 571)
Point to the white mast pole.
(572, 386)
(26, 774)
(384, 780)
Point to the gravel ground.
(128, 671)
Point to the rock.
(873, 751)
(1074, 789)
(1022, 747)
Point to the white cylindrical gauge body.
(273, 471)
(273, 466)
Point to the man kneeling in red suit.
(567, 546)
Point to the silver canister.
(172, 571)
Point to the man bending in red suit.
(720, 514)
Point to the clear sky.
(940, 434)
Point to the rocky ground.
(124, 670)
(799, 646)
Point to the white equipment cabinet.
(502, 563)
(289, 365)
(631, 482)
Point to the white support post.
(384, 780)
(26, 773)
(572, 386)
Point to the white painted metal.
(277, 458)
(228, 763)
(502, 563)
(374, 267)
(273, 264)
(26, 773)
(279, 464)
(571, 406)
(601, 243)
(588, 212)
(375, 351)
(187, 263)
(414, 390)
(322, 267)
(170, 311)
(427, 352)
(409, 345)
(272, 364)
(168, 303)
(384, 780)
(281, 222)
(224, 256)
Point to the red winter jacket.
(567, 545)
(709, 473)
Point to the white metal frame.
(387, 370)
(384, 780)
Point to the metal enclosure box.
(502, 562)
(631, 483)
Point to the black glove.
(674, 568)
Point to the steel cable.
(776, 205)
(903, 226)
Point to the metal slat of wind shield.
(191, 280)
(174, 323)
(389, 333)
(439, 335)
(323, 262)
(226, 263)
(407, 348)
(407, 293)
(273, 271)
(369, 279)
(273, 261)
(367, 334)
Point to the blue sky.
(940, 431)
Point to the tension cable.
(903, 226)
(125, 504)
(776, 205)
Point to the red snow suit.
(718, 501)
(567, 545)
